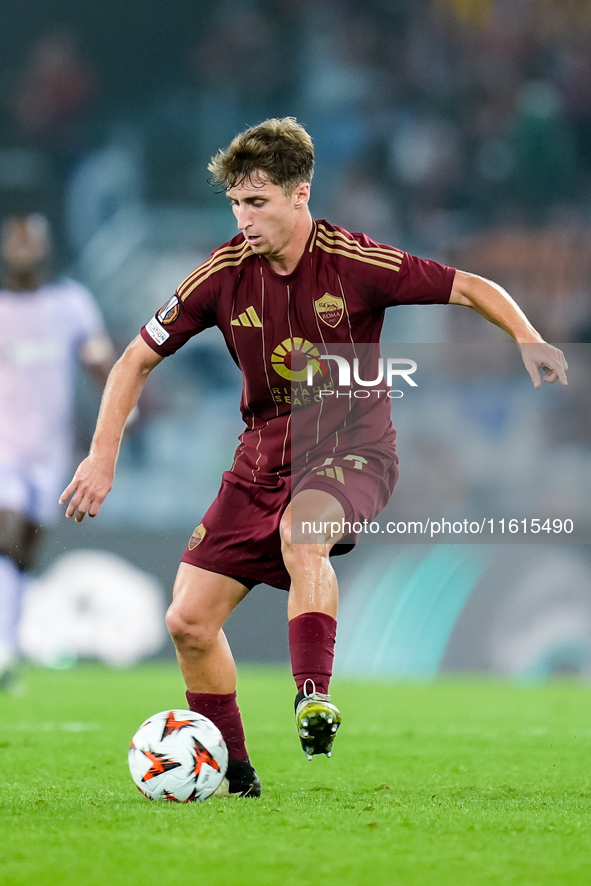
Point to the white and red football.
(178, 756)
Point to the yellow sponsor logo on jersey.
(330, 309)
(290, 359)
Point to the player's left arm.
(496, 305)
(98, 355)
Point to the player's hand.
(542, 356)
(90, 486)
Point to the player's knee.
(299, 555)
(311, 524)
(285, 531)
(18, 538)
(189, 631)
(302, 544)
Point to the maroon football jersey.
(337, 294)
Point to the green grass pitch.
(455, 782)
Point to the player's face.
(268, 218)
(25, 242)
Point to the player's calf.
(311, 643)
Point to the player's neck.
(22, 280)
(286, 261)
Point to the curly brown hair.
(280, 148)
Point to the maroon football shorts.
(239, 534)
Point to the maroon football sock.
(222, 710)
(311, 644)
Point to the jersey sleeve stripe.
(362, 258)
(333, 238)
(219, 255)
(380, 254)
(186, 290)
(313, 237)
(229, 250)
(349, 238)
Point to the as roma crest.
(197, 537)
(330, 309)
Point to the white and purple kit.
(41, 335)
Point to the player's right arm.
(93, 480)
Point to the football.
(178, 756)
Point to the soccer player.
(284, 282)
(45, 327)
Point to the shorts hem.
(248, 581)
(243, 579)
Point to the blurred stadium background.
(456, 129)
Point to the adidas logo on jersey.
(249, 317)
(335, 473)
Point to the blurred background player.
(266, 290)
(46, 326)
